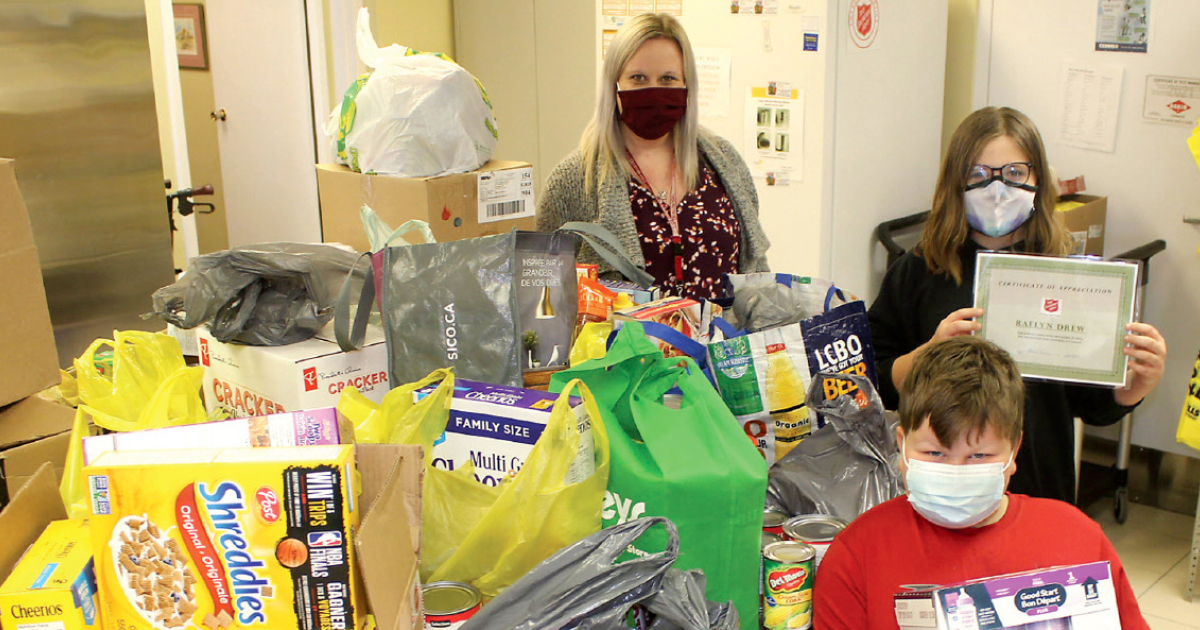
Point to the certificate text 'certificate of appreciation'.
(1061, 319)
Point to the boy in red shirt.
(956, 523)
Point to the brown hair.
(947, 229)
(962, 385)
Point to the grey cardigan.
(608, 204)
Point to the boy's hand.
(1148, 351)
(958, 323)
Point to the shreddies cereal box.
(226, 538)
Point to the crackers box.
(227, 538)
(1083, 593)
(262, 380)
(54, 585)
(494, 199)
(314, 427)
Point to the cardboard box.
(494, 199)
(495, 427)
(1084, 217)
(262, 380)
(260, 514)
(30, 358)
(1083, 593)
(315, 427)
(54, 585)
(33, 431)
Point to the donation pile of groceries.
(470, 430)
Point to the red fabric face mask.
(651, 113)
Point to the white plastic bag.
(415, 115)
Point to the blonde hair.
(947, 230)
(602, 143)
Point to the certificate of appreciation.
(1061, 319)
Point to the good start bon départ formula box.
(226, 538)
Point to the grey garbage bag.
(846, 467)
(580, 587)
(681, 605)
(267, 294)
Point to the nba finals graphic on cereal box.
(225, 538)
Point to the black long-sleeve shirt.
(911, 304)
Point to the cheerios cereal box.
(53, 586)
(230, 538)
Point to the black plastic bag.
(846, 467)
(268, 294)
(579, 587)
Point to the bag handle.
(607, 246)
(381, 235)
(350, 333)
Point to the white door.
(258, 52)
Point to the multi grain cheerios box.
(226, 538)
(53, 586)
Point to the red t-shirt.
(892, 545)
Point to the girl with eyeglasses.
(679, 199)
(996, 192)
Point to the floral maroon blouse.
(711, 237)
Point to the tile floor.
(1155, 546)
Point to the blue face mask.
(955, 496)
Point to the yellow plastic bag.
(146, 385)
(592, 342)
(73, 486)
(491, 536)
(1189, 420)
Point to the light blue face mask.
(955, 496)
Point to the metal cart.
(1095, 481)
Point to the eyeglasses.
(1013, 174)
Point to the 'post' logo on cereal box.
(268, 504)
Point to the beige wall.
(960, 66)
(425, 25)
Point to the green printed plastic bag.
(681, 455)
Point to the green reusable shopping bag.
(683, 456)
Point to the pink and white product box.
(262, 380)
(1056, 598)
(313, 427)
(495, 427)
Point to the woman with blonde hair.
(996, 192)
(679, 199)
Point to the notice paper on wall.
(712, 77)
(775, 133)
(1123, 25)
(1172, 99)
(1089, 102)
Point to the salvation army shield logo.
(1051, 306)
(864, 22)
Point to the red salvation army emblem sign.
(864, 22)
(1050, 306)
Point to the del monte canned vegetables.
(787, 589)
(817, 530)
(448, 605)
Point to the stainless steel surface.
(1163, 480)
(77, 113)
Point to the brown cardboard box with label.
(28, 356)
(1084, 217)
(494, 199)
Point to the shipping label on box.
(1083, 593)
(495, 427)
(314, 427)
(233, 538)
(505, 195)
(262, 380)
(54, 585)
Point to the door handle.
(217, 115)
(1192, 220)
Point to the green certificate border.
(1111, 375)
